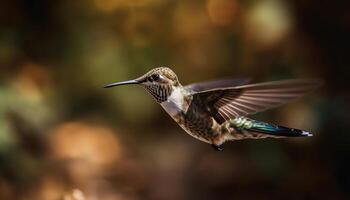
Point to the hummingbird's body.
(190, 116)
(214, 112)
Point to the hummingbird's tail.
(244, 128)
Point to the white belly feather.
(175, 103)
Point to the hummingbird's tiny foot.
(217, 147)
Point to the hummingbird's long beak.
(122, 83)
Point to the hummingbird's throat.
(159, 92)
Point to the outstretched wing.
(209, 85)
(226, 103)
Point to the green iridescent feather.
(243, 123)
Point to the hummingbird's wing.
(227, 103)
(209, 85)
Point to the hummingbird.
(217, 111)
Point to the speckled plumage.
(215, 112)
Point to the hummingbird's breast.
(176, 105)
(190, 116)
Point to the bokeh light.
(64, 137)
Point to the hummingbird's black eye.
(155, 77)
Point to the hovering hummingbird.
(215, 112)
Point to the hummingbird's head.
(159, 82)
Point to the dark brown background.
(59, 130)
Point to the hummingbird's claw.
(217, 147)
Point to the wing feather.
(209, 85)
(249, 99)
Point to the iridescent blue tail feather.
(247, 128)
(262, 127)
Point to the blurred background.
(64, 137)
